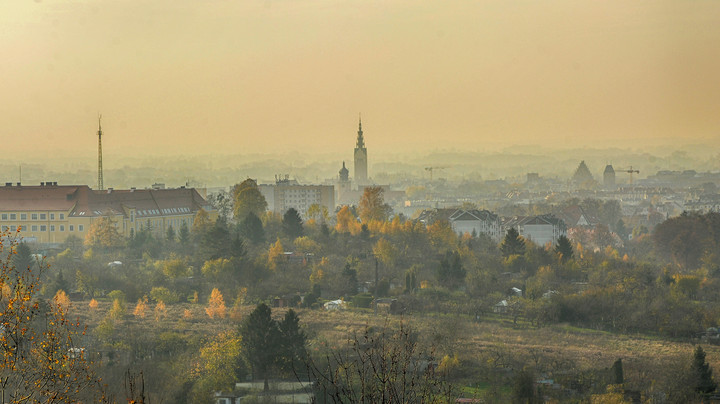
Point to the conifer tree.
(701, 373)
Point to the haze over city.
(217, 77)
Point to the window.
(52, 227)
(34, 227)
(13, 216)
(23, 216)
(43, 228)
(52, 216)
(4, 216)
(5, 228)
(43, 216)
(13, 228)
(81, 227)
(62, 227)
(33, 216)
(62, 216)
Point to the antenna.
(100, 169)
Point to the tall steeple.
(360, 140)
(100, 169)
(361, 175)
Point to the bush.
(163, 294)
(363, 300)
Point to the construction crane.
(435, 168)
(631, 171)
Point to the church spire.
(360, 140)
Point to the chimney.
(42, 184)
(18, 184)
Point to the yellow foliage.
(103, 232)
(62, 300)
(216, 305)
(93, 304)
(141, 307)
(346, 222)
(118, 309)
(275, 255)
(187, 314)
(160, 310)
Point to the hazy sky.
(236, 76)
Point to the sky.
(237, 77)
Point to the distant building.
(50, 213)
(287, 193)
(583, 177)
(466, 221)
(539, 229)
(343, 184)
(609, 177)
(361, 159)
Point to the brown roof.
(80, 200)
(35, 198)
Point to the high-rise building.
(287, 193)
(361, 159)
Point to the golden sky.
(244, 76)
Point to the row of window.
(43, 227)
(33, 216)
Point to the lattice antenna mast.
(100, 169)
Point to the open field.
(486, 347)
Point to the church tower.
(361, 173)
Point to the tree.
(170, 234)
(451, 273)
(513, 243)
(372, 205)
(252, 228)
(564, 249)
(524, 388)
(292, 343)
(23, 257)
(247, 198)
(292, 224)
(39, 361)
(103, 233)
(701, 373)
(216, 305)
(383, 366)
(346, 221)
(260, 335)
(184, 234)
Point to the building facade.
(286, 194)
(50, 213)
(463, 221)
(539, 229)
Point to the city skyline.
(191, 78)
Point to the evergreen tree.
(260, 336)
(564, 249)
(237, 247)
(23, 258)
(292, 343)
(451, 273)
(701, 373)
(184, 234)
(617, 369)
(216, 242)
(513, 244)
(61, 283)
(292, 224)
(252, 228)
(170, 234)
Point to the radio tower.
(100, 174)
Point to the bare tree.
(379, 367)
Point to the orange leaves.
(216, 305)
